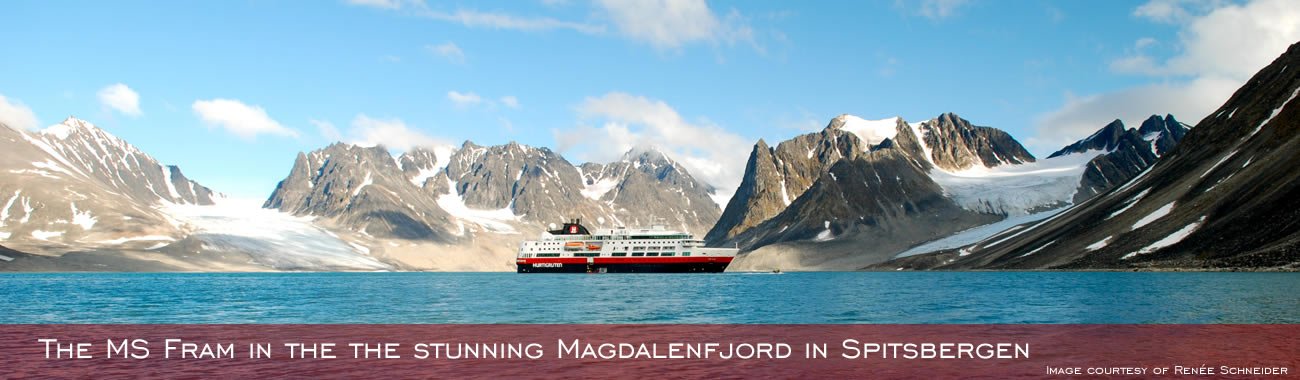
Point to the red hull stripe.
(626, 260)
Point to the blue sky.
(232, 90)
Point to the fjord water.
(871, 297)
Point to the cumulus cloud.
(245, 121)
(464, 99)
(1219, 47)
(449, 51)
(121, 98)
(392, 133)
(671, 24)
(1234, 40)
(627, 121)
(16, 115)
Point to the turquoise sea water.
(872, 297)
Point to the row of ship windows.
(555, 243)
(616, 254)
(623, 248)
(641, 237)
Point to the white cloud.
(1175, 11)
(1219, 47)
(448, 51)
(664, 24)
(1081, 116)
(392, 133)
(1233, 40)
(711, 154)
(16, 115)
(327, 130)
(510, 101)
(491, 20)
(381, 4)
(478, 19)
(238, 118)
(466, 99)
(1138, 62)
(935, 9)
(121, 98)
(671, 24)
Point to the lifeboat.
(593, 246)
(574, 246)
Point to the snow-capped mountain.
(482, 197)
(1227, 195)
(647, 187)
(888, 186)
(952, 143)
(75, 186)
(75, 197)
(775, 177)
(363, 188)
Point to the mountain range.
(861, 192)
(1224, 197)
(942, 193)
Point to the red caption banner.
(620, 351)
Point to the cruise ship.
(574, 249)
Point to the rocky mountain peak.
(868, 132)
(1105, 139)
(1163, 133)
(648, 155)
(955, 144)
(74, 180)
(1223, 198)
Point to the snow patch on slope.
(598, 186)
(82, 218)
(1276, 111)
(167, 178)
(1216, 164)
(370, 180)
(124, 240)
(1153, 216)
(1172, 239)
(1099, 244)
(46, 235)
(1128, 205)
(493, 220)
(826, 234)
(977, 234)
(442, 157)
